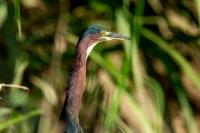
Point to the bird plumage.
(74, 91)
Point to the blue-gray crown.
(92, 30)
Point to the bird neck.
(76, 84)
(76, 80)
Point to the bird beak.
(118, 36)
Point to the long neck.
(75, 89)
(76, 83)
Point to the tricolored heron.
(92, 35)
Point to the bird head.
(95, 34)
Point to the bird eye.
(104, 33)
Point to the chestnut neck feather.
(77, 78)
(75, 85)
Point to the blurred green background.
(150, 84)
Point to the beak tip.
(127, 38)
(119, 36)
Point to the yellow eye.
(104, 33)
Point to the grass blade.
(19, 118)
(17, 15)
(178, 58)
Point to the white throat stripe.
(89, 49)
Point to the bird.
(93, 35)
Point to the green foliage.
(149, 84)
